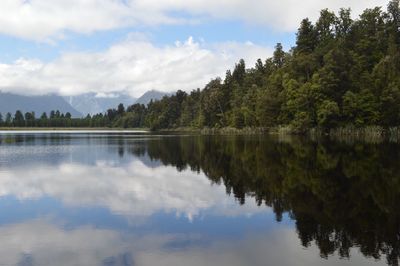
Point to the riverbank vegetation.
(342, 73)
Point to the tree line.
(59, 119)
(341, 72)
(53, 119)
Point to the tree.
(268, 107)
(279, 56)
(390, 106)
(327, 114)
(111, 114)
(18, 119)
(121, 109)
(344, 23)
(306, 37)
(43, 121)
(325, 26)
(8, 119)
(394, 12)
(239, 72)
(361, 109)
(29, 119)
(260, 66)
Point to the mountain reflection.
(341, 195)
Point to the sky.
(71, 47)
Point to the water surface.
(131, 198)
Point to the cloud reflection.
(134, 190)
(40, 242)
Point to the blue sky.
(211, 32)
(131, 46)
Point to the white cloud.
(48, 19)
(43, 243)
(282, 15)
(135, 190)
(47, 244)
(136, 65)
(132, 66)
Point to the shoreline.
(370, 133)
(71, 129)
(17, 131)
(348, 131)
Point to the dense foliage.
(341, 72)
(58, 119)
(54, 119)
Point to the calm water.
(135, 199)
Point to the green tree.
(361, 108)
(8, 120)
(344, 23)
(325, 26)
(239, 72)
(121, 109)
(30, 119)
(306, 37)
(279, 56)
(18, 120)
(394, 24)
(328, 114)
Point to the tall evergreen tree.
(306, 37)
(19, 119)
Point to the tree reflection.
(340, 195)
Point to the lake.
(132, 198)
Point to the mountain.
(151, 95)
(12, 102)
(78, 106)
(90, 103)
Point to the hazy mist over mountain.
(151, 95)
(90, 103)
(38, 104)
(78, 106)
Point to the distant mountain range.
(151, 95)
(89, 103)
(78, 106)
(12, 102)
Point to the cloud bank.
(43, 20)
(43, 243)
(281, 15)
(134, 191)
(136, 65)
(132, 66)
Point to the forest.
(341, 72)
